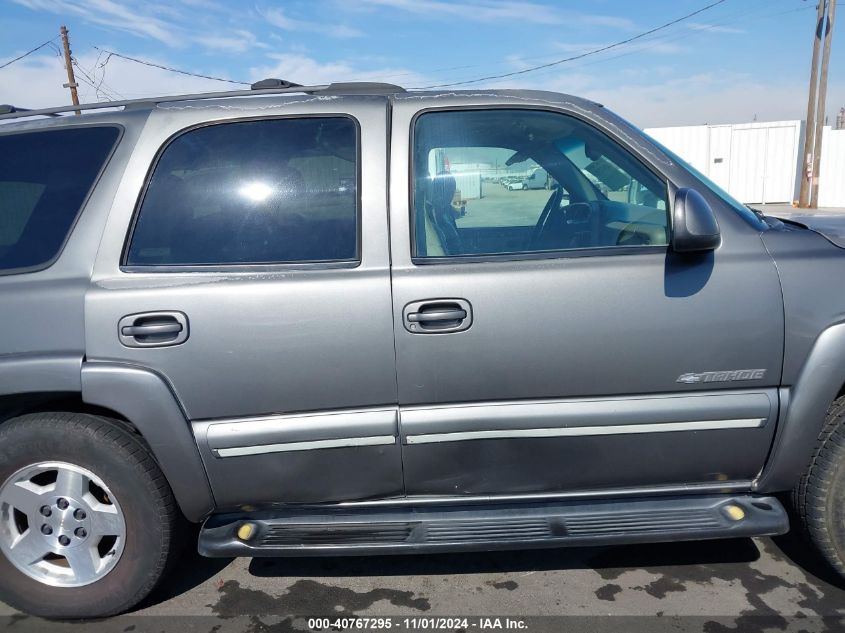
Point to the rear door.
(246, 261)
(549, 341)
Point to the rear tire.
(98, 454)
(819, 497)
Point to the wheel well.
(12, 406)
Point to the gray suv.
(258, 311)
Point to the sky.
(736, 62)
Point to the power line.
(174, 70)
(580, 56)
(655, 42)
(97, 91)
(99, 86)
(39, 47)
(678, 36)
(102, 68)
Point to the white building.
(759, 162)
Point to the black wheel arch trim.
(803, 407)
(146, 399)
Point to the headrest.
(442, 190)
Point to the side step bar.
(334, 531)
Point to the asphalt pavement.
(750, 585)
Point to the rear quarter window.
(45, 178)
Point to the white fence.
(759, 162)
(832, 173)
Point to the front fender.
(145, 399)
(803, 409)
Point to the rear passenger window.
(252, 192)
(44, 180)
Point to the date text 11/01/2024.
(416, 623)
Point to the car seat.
(438, 210)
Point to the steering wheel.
(552, 203)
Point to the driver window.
(495, 182)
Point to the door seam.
(388, 190)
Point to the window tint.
(489, 182)
(44, 179)
(252, 192)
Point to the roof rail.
(342, 87)
(362, 88)
(7, 108)
(274, 83)
(278, 86)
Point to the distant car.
(257, 312)
(537, 179)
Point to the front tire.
(819, 497)
(87, 519)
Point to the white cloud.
(516, 11)
(648, 46)
(172, 24)
(653, 96)
(204, 4)
(305, 70)
(713, 97)
(36, 82)
(239, 42)
(112, 15)
(279, 19)
(714, 28)
(225, 44)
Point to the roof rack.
(264, 87)
(7, 108)
(274, 83)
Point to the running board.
(335, 531)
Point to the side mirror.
(694, 225)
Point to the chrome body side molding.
(301, 432)
(589, 416)
(578, 431)
(346, 442)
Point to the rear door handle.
(153, 329)
(437, 316)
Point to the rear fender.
(146, 400)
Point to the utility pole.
(828, 36)
(809, 131)
(71, 80)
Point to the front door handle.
(437, 316)
(432, 316)
(153, 329)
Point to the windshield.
(610, 179)
(746, 213)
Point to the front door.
(549, 341)
(249, 267)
